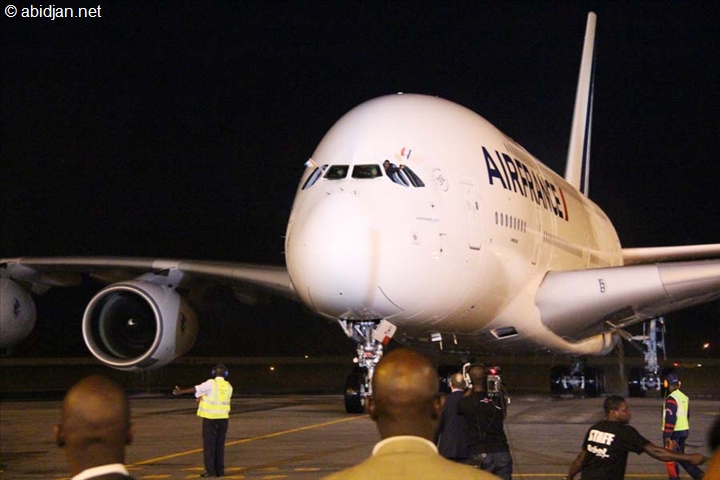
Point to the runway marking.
(251, 439)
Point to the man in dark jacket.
(451, 436)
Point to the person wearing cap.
(676, 426)
(213, 396)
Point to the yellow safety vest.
(217, 404)
(683, 402)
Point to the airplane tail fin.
(577, 167)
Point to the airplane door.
(472, 213)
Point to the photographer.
(484, 416)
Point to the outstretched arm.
(576, 466)
(181, 391)
(665, 455)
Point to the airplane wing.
(635, 256)
(45, 272)
(146, 315)
(580, 303)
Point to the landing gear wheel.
(355, 390)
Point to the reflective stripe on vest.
(683, 402)
(217, 404)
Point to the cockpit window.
(314, 176)
(412, 178)
(402, 175)
(366, 171)
(337, 172)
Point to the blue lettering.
(513, 174)
(492, 169)
(516, 176)
(507, 180)
(548, 187)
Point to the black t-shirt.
(607, 445)
(484, 419)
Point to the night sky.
(180, 129)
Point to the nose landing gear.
(358, 385)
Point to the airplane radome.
(416, 220)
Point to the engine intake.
(138, 325)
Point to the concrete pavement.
(304, 437)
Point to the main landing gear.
(358, 385)
(577, 378)
(653, 338)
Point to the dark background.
(180, 129)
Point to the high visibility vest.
(683, 402)
(217, 404)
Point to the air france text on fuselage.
(517, 177)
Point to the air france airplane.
(418, 220)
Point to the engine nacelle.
(17, 313)
(138, 325)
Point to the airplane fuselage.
(450, 254)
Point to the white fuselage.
(463, 254)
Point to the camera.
(494, 382)
(493, 379)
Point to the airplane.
(415, 220)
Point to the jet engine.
(17, 313)
(138, 325)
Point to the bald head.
(94, 423)
(457, 381)
(405, 400)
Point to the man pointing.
(214, 408)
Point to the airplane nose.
(333, 258)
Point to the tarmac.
(303, 437)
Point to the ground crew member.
(676, 426)
(214, 408)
